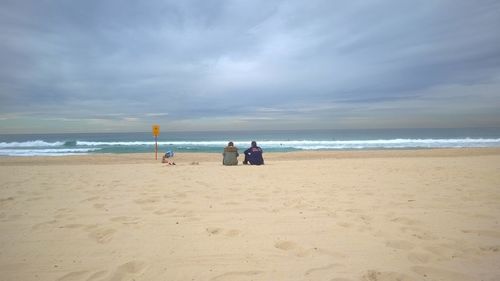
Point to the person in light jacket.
(230, 155)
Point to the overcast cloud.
(97, 65)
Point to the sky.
(119, 66)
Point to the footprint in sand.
(180, 195)
(418, 233)
(344, 224)
(122, 272)
(285, 245)
(400, 244)
(217, 230)
(6, 201)
(165, 211)
(72, 226)
(321, 270)
(99, 206)
(148, 201)
(352, 210)
(43, 224)
(301, 252)
(365, 219)
(96, 276)
(232, 233)
(125, 220)
(214, 230)
(432, 273)
(488, 233)
(237, 275)
(63, 213)
(102, 235)
(443, 251)
(126, 270)
(93, 198)
(482, 216)
(203, 184)
(73, 276)
(420, 257)
(405, 221)
(373, 275)
(34, 198)
(490, 249)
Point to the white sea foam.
(46, 152)
(114, 143)
(143, 143)
(35, 143)
(349, 144)
(392, 143)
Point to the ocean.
(270, 141)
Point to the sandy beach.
(340, 216)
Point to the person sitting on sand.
(168, 154)
(253, 155)
(230, 155)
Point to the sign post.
(156, 132)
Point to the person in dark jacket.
(230, 155)
(253, 155)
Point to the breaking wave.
(76, 147)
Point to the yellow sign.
(156, 130)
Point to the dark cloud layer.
(121, 65)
